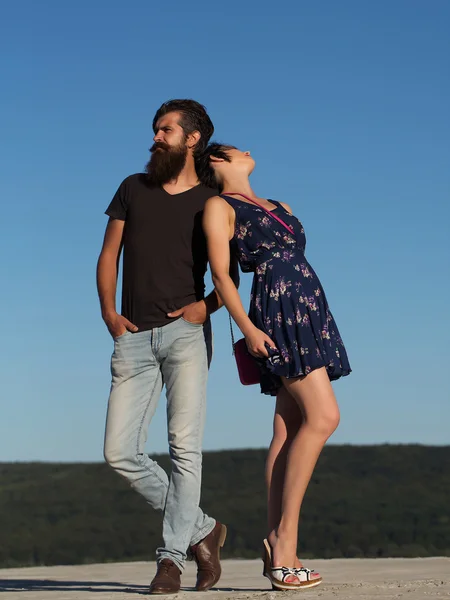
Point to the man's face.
(169, 151)
(169, 134)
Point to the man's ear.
(193, 139)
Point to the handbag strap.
(269, 212)
(232, 334)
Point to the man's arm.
(107, 269)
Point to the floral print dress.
(287, 300)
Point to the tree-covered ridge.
(363, 501)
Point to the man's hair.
(204, 170)
(193, 118)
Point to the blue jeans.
(177, 356)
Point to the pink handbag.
(247, 366)
(248, 370)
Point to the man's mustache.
(159, 145)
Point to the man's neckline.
(180, 193)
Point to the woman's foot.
(283, 554)
(281, 578)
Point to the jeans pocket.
(197, 325)
(121, 336)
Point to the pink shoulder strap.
(270, 213)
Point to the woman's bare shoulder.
(217, 203)
(287, 207)
(217, 200)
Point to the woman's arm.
(218, 227)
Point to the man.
(163, 336)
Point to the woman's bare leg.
(287, 421)
(315, 398)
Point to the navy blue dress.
(287, 299)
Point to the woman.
(290, 330)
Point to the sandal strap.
(281, 573)
(303, 573)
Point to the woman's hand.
(256, 343)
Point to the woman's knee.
(287, 419)
(326, 423)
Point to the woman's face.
(240, 163)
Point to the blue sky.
(344, 106)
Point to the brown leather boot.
(207, 556)
(167, 579)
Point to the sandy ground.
(362, 579)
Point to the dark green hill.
(363, 501)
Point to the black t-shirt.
(164, 249)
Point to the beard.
(166, 163)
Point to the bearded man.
(162, 336)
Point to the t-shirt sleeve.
(118, 206)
